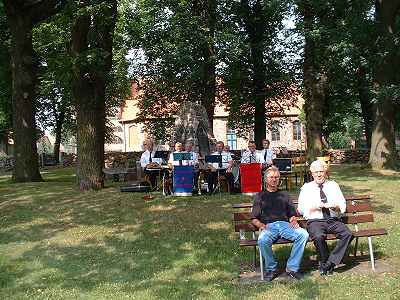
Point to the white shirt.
(190, 162)
(226, 158)
(251, 157)
(310, 198)
(268, 158)
(145, 158)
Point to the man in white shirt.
(147, 161)
(321, 203)
(178, 149)
(266, 154)
(222, 168)
(251, 155)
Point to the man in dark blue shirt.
(274, 214)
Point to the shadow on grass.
(179, 248)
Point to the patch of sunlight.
(218, 225)
(187, 246)
(16, 250)
(77, 235)
(161, 208)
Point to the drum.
(183, 180)
(251, 179)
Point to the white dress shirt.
(226, 159)
(310, 198)
(268, 158)
(145, 158)
(251, 157)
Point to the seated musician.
(148, 161)
(193, 162)
(222, 168)
(251, 155)
(266, 154)
(178, 149)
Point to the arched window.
(296, 131)
(275, 131)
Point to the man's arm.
(143, 162)
(291, 213)
(256, 213)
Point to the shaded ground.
(59, 243)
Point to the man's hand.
(293, 222)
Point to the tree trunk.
(314, 86)
(206, 11)
(58, 132)
(24, 66)
(255, 28)
(88, 90)
(365, 102)
(383, 154)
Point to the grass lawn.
(59, 243)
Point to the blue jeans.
(282, 229)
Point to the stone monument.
(191, 125)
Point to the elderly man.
(251, 155)
(222, 168)
(147, 161)
(273, 212)
(267, 155)
(321, 202)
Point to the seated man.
(321, 202)
(147, 161)
(178, 149)
(222, 168)
(266, 154)
(251, 155)
(273, 212)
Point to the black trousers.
(213, 176)
(318, 229)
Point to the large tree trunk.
(383, 153)
(24, 67)
(365, 102)
(206, 11)
(58, 132)
(22, 16)
(314, 86)
(255, 28)
(88, 90)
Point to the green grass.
(59, 243)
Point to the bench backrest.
(358, 210)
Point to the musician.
(222, 168)
(148, 161)
(266, 154)
(251, 155)
(178, 149)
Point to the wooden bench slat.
(359, 207)
(370, 232)
(358, 219)
(349, 198)
(347, 219)
(360, 233)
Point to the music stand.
(179, 156)
(164, 155)
(283, 164)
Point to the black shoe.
(294, 275)
(326, 268)
(269, 275)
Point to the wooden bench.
(358, 210)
